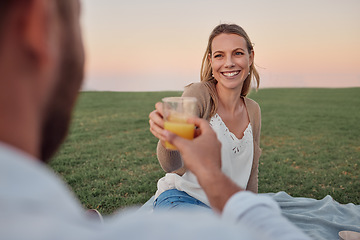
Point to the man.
(41, 70)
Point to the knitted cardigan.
(170, 160)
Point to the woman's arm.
(170, 160)
(255, 119)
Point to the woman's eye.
(239, 53)
(217, 55)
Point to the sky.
(158, 45)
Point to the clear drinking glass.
(177, 110)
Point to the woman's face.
(230, 60)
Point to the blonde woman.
(226, 73)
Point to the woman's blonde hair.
(206, 71)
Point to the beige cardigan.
(171, 161)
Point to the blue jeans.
(174, 199)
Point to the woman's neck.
(229, 99)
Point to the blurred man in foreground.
(41, 70)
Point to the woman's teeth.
(230, 74)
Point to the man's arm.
(259, 214)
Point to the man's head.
(41, 68)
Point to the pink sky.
(158, 45)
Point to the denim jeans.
(174, 199)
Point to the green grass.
(310, 140)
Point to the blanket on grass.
(320, 219)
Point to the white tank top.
(236, 159)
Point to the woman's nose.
(229, 63)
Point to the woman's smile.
(230, 73)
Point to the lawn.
(310, 142)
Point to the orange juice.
(182, 129)
(177, 110)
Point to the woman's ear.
(251, 57)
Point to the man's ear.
(35, 29)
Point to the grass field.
(310, 140)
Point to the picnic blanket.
(320, 219)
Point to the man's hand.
(202, 156)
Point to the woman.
(226, 73)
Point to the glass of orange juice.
(177, 110)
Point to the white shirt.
(236, 162)
(36, 204)
(236, 154)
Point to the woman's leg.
(174, 199)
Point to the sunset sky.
(158, 45)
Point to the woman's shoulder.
(198, 87)
(198, 90)
(253, 108)
(250, 103)
(201, 93)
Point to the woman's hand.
(157, 123)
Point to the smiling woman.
(226, 73)
(231, 43)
